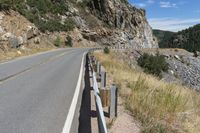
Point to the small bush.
(69, 25)
(176, 50)
(153, 64)
(68, 41)
(106, 50)
(57, 41)
(195, 53)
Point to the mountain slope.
(188, 39)
(162, 36)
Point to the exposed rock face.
(135, 30)
(187, 70)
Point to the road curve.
(36, 92)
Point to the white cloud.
(150, 1)
(172, 24)
(141, 4)
(167, 4)
(146, 3)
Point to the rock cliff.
(131, 23)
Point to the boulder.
(171, 72)
(13, 42)
(92, 36)
(32, 32)
(20, 40)
(37, 40)
(6, 36)
(19, 52)
(177, 57)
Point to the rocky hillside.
(15, 31)
(88, 22)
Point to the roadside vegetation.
(57, 41)
(106, 50)
(159, 106)
(153, 64)
(43, 13)
(68, 41)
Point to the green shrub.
(39, 13)
(195, 53)
(54, 25)
(57, 41)
(106, 50)
(68, 41)
(69, 25)
(45, 6)
(153, 64)
(11, 3)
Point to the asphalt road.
(36, 91)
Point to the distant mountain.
(162, 35)
(188, 39)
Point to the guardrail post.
(98, 67)
(103, 79)
(113, 101)
(105, 97)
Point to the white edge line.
(70, 116)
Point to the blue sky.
(172, 15)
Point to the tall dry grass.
(160, 106)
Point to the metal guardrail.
(100, 113)
(101, 118)
(104, 97)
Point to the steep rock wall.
(127, 19)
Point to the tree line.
(188, 39)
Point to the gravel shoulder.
(125, 122)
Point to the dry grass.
(14, 53)
(160, 106)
